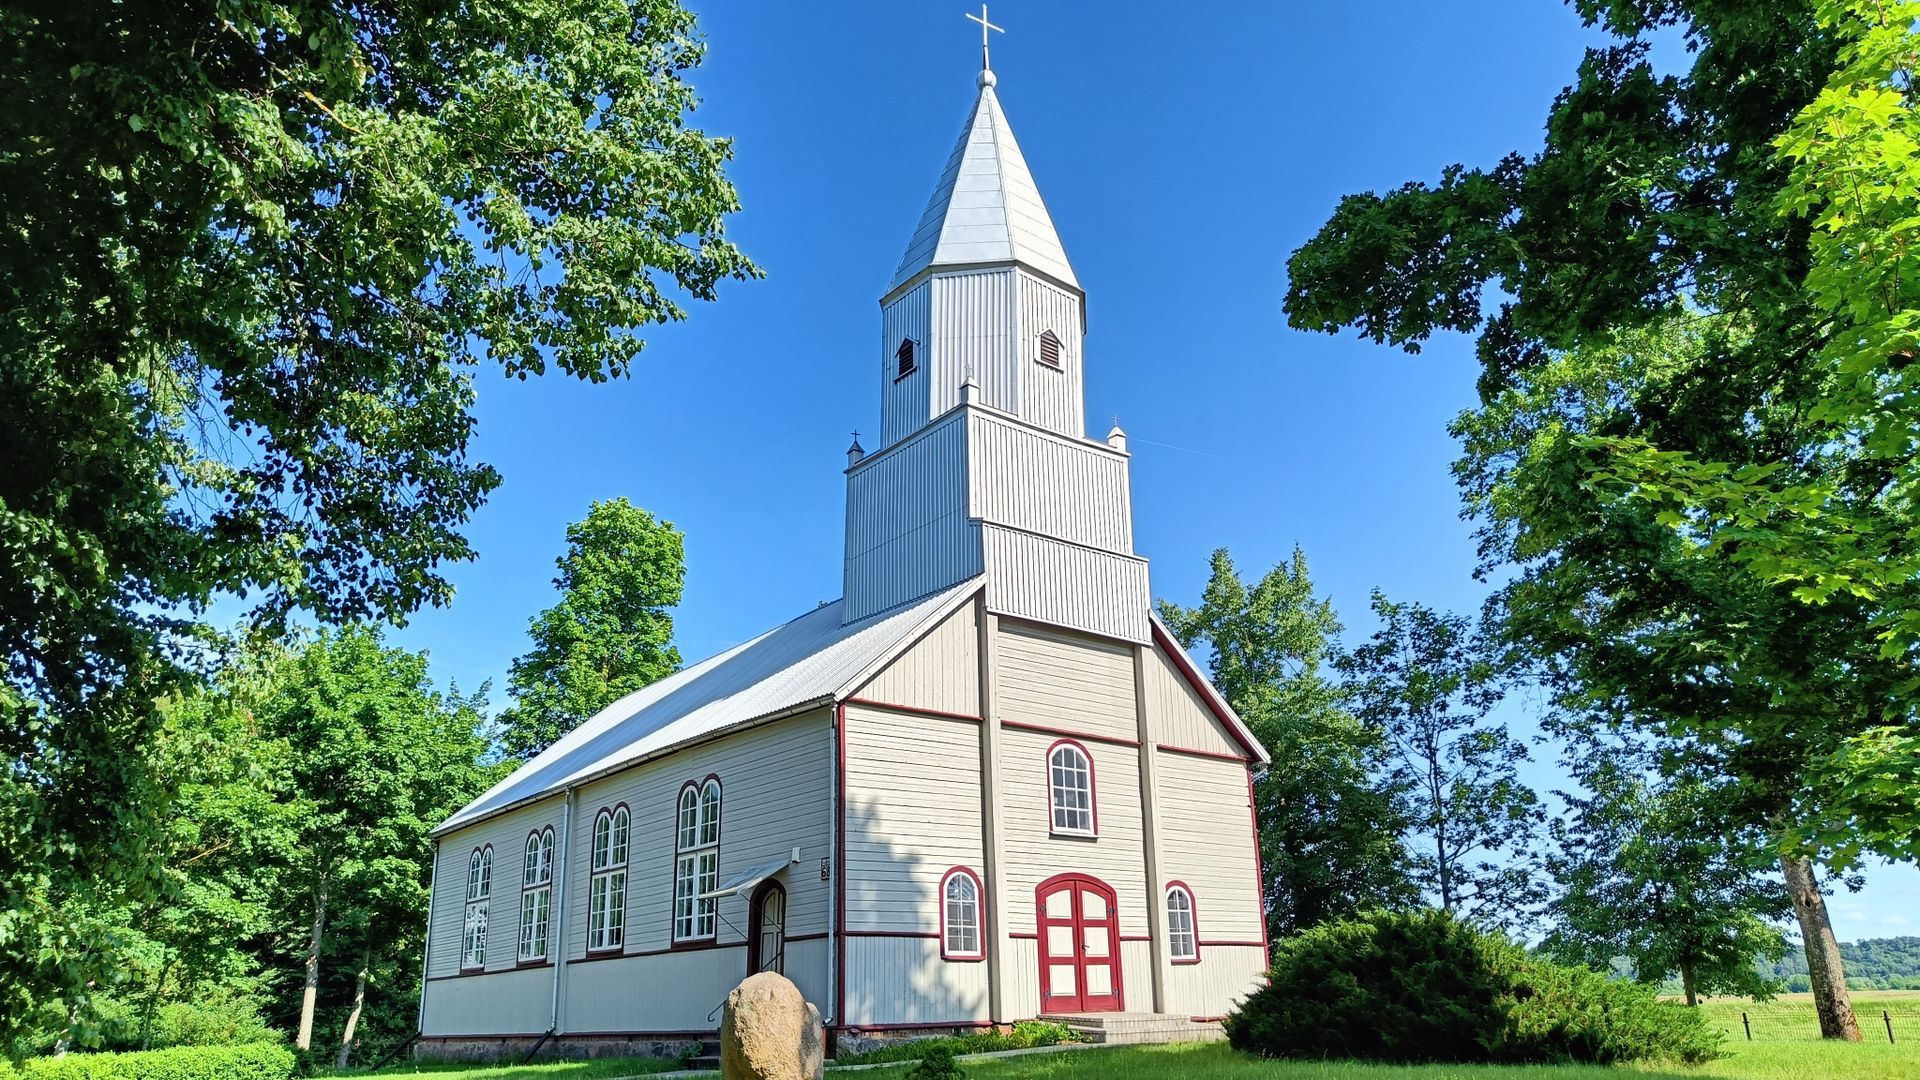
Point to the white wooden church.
(985, 785)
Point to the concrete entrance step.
(1131, 1029)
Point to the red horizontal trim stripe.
(892, 933)
(917, 710)
(1024, 935)
(1211, 754)
(1021, 725)
(1206, 1019)
(1233, 944)
(1135, 937)
(807, 937)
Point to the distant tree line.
(1872, 964)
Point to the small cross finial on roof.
(985, 26)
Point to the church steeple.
(984, 292)
(984, 467)
(986, 209)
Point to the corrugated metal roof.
(813, 658)
(986, 208)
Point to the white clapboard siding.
(1041, 482)
(1051, 581)
(903, 980)
(1117, 857)
(1064, 680)
(1051, 398)
(508, 1003)
(940, 672)
(1214, 986)
(775, 796)
(1206, 841)
(907, 529)
(913, 813)
(507, 834)
(973, 329)
(903, 398)
(1175, 714)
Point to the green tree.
(1329, 829)
(1649, 870)
(610, 634)
(375, 759)
(250, 255)
(1653, 304)
(1425, 682)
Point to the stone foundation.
(512, 1048)
(856, 1041)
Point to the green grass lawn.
(1786, 1046)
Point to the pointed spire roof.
(986, 208)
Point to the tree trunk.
(359, 999)
(1686, 982)
(153, 1001)
(1824, 967)
(312, 989)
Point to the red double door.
(1079, 945)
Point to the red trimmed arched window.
(963, 924)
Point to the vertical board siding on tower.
(903, 401)
(940, 672)
(973, 319)
(1215, 985)
(508, 836)
(907, 530)
(775, 796)
(1033, 854)
(1063, 680)
(1051, 398)
(1046, 580)
(1207, 842)
(913, 813)
(898, 980)
(1177, 717)
(1045, 483)
(508, 1003)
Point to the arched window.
(1183, 935)
(473, 950)
(903, 359)
(696, 863)
(961, 936)
(607, 885)
(1051, 352)
(536, 895)
(1070, 785)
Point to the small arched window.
(904, 359)
(1183, 935)
(961, 936)
(607, 885)
(1070, 787)
(536, 895)
(696, 864)
(473, 948)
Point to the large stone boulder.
(770, 1032)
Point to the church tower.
(984, 466)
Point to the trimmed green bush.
(1026, 1033)
(256, 1061)
(1421, 987)
(937, 1064)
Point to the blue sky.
(1184, 151)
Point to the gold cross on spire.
(985, 26)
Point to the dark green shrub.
(936, 1063)
(1419, 986)
(258, 1061)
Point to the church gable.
(1177, 716)
(938, 673)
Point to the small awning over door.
(745, 880)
